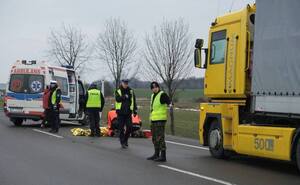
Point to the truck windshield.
(26, 83)
(218, 47)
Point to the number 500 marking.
(264, 144)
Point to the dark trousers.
(94, 119)
(158, 135)
(124, 120)
(46, 117)
(54, 119)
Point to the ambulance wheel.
(17, 122)
(215, 140)
(298, 154)
(85, 120)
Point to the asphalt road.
(30, 157)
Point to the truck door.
(214, 76)
(226, 71)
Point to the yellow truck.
(252, 79)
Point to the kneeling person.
(94, 105)
(158, 117)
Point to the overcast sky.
(26, 24)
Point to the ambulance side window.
(62, 84)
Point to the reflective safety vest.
(53, 97)
(159, 112)
(118, 105)
(94, 99)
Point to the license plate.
(16, 110)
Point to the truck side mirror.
(197, 58)
(199, 43)
(198, 54)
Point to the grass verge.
(186, 121)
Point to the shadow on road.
(268, 164)
(283, 167)
(31, 124)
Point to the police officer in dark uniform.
(54, 105)
(158, 117)
(94, 105)
(125, 107)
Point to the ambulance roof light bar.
(67, 66)
(28, 62)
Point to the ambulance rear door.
(73, 93)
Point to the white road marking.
(197, 175)
(191, 146)
(50, 134)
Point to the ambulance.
(24, 93)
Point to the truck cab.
(232, 122)
(228, 55)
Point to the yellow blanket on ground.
(87, 132)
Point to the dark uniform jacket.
(126, 102)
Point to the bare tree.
(68, 46)
(116, 46)
(168, 57)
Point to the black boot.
(162, 157)
(155, 155)
(123, 146)
(92, 134)
(126, 143)
(98, 134)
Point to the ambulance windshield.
(26, 83)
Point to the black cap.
(154, 84)
(125, 80)
(93, 85)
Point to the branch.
(68, 46)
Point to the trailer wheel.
(298, 154)
(17, 121)
(215, 140)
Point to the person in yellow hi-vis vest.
(158, 117)
(94, 105)
(125, 107)
(54, 105)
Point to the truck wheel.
(17, 122)
(298, 154)
(215, 140)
